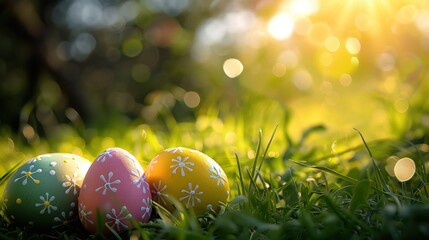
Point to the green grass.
(313, 185)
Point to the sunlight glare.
(372, 18)
(281, 26)
(304, 7)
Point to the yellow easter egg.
(189, 177)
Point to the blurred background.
(85, 63)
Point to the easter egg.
(114, 192)
(43, 192)
(188, 176)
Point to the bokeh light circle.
(192, 99)
(233, 67)
(132, 47)
(404, 169)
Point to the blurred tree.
(128, 57)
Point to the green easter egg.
(43, 192)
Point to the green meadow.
(317, 111)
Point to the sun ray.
(370, 16)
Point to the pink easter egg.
(115, 192)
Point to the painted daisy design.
(191, 195)
(46, 204)
(181, 164)
(29, 174)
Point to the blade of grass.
(328, 170)
(264, 183)
(379, 175)
(360, 195)
(420, 167)
(309, 131)
(240, 175)
(258, 150)
(165, 215)
(374, 164)
(9, 173)
(255, 171)
(344, 215)
(113, 231)
(253, 183)
(308, 223)
(268, 146)
(423, 185)
(336, 154)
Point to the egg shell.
(188, 176)
(43, 192)
(115, 189)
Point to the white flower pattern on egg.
(64, 220)
(215, 173)
(38, 158)
(140, 180)
(146, 208)
(106, 154)
(174, 150)
(191, 195)
(28, 174)
(157, 192)
(182, 165)
(70, 183)
(108, 184)
(116, 220)
(46, 203)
